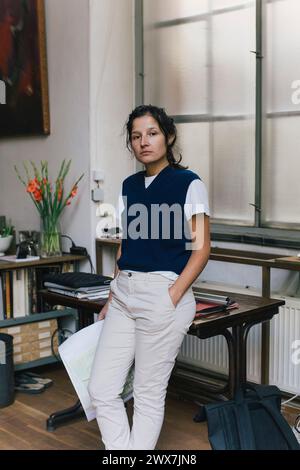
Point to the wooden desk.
(234, 327)
(266, 261)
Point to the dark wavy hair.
(166, 125)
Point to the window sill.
(256, 236)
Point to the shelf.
(4, 265)
(31, 318)
(37, 363)
(39, 317)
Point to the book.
(80, 295)
(19, 293)
(206, 310)
(213, 298)
(208, 307)
(2, 316)
(211, 304)
(14, 259)
(78, 279)
(91, 289)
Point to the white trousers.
(143, 326)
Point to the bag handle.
(282, 425)
(245, 433)
(244, 428)
(258, 389)
(261, 390)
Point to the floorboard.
(23, 424)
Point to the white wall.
(91, 84)
(67, 25)
(111, 98)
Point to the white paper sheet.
(77, 354)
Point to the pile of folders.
(78, 284)
(212, 304)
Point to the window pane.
(193, 142)
(282, 55)
(233, 171)
(164, 10)
(233, 37)
(281, 170)
(175, 68)
(217, 4)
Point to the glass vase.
(50, 238)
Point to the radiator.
(212, 353)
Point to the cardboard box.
(21, 348)
(32, 356)
(21, 358)
(31, 328)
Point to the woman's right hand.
(103, 312)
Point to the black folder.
(78, 279)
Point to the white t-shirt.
(196, 202)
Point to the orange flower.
(37, 195)
(74, 191)
(32, 186)
(49, 198)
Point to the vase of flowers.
(50, 238)
(50, 200)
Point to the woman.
(165, 246)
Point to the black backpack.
(252, 421)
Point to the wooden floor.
(23, 424)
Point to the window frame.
(271, 234)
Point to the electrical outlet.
(98, 175)
(97, 195)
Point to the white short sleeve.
(196, 201)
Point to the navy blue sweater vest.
(155, 229)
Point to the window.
(228, 72)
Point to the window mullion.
(258, 116)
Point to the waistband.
(141, 276)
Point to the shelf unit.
(38, 317)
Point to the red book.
(204, 309)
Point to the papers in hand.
(77, 354)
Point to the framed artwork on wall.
(24, 101)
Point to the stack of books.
(79, 285)
(212, 304)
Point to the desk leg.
(239, 356)
(233, 374)
(84, 319)
(99, 259)
(265, 330)
(62, 417)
